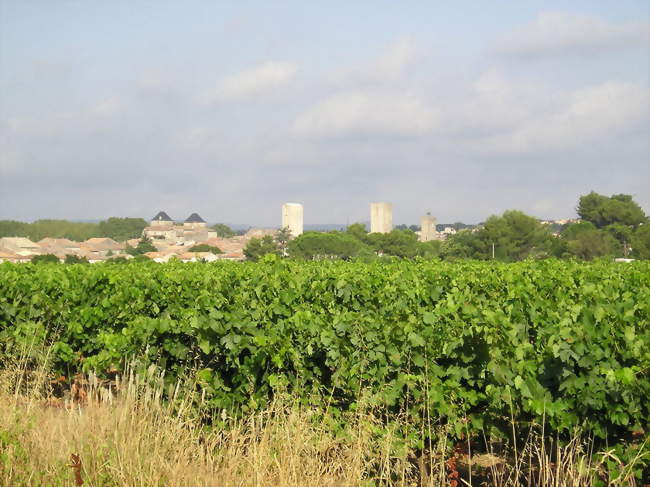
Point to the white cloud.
(494, 103)
(397, 57)
(391, 66)
(365, 113)
(251, 82)
(590, 115)
(392, 131)
(109, 107)
(562, 32)
(157, 82)
(65, 124)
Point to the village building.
(158, 256)
(102, 247)
(61, 244)
(7, 255)
(21, 246)
(162, 229)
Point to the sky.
(463, 109)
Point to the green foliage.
(74, 259)
(12, 228)
(514, 235)
(77, 231)
(602, 211)
(45, 259)
(317, 245)
(140, 259)
(429, 250)
(622, 233)
(223, 231)
(471, 343)
(257, 248)
(144, 245)
(357, 230)
(398, 243)
(282, 239)
(116, 228)
(641, 242)
(460, 245)
(121, 229)
(206, 248)
(584, 241)
(121, 260)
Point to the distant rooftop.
(194, 218)
(162, 217)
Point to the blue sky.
(463, 109)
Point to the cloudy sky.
(464, 109)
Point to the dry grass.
(132, 437)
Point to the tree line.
(119, 229)
(614, 226)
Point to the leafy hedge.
(472, 343)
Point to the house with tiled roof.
(162, 218)
(102, 246)
(61, 243)
(7, 255)
(162, 229)
(21, 246)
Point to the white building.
(163, 229)
(428, 228)
(292, 218)
(381, 217)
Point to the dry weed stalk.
(128, 435)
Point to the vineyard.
(474, 345)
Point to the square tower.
(381, 217)
(292, 218)
(428, 228)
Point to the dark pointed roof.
(162, 217)
(194, 218)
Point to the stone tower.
(292, 218)
(428, 228)
(194, 221)
(161, 219)
(381, 217)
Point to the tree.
(13, 228)
(206, 248)
(590, 207)
(641, 242)
(584, 241)
(399, 243)
(317, 245)
(357, 230)
(118, 260)
(282, 239)
(74, 259)
(461, 245)
(430, 249)
(223, 231)
(78, 231)
(45, 259)
(144, 245)
(602, 211)
(122, 229)
(514, 235)
(259, 247)
(620, 232)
